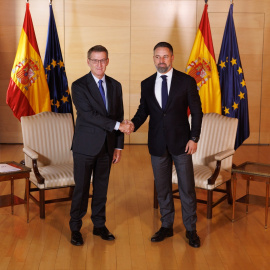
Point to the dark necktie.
(102, 92)
(164, 91)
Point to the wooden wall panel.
(163, 14)
(82, 13)
(130, 29)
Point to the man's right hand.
(126, 127)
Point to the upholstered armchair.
(212, 161)
(47, 139)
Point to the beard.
(162, 68)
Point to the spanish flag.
(28, 91)
(202, 67)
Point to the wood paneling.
(163, 14)
(10, 127)
(81, 13)
(130, 29)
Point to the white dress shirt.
(158, 84)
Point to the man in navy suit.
(97, 142)
(165, 97)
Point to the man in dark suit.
(165, 97)
(97, 142)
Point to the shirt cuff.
(116, 127)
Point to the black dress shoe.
(194, 239)
(162, 234)
(104, 233)
(76, 238)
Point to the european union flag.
(55, 71)
(232, 82)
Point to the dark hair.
(97, 48)
(164, 44)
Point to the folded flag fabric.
(232, 81)
(55, 71)
(202, 67)
(28, 91)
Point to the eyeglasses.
(96, 61)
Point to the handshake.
(126, 127)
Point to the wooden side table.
(252, 171)
(10, 200)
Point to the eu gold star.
(240, 70)
(61, 64)
(48, 67)
(222, 64)
(233, 61)
(52, 102)
(57, 104)
(241, 95)
(64, 99)
(53, 63)
(243, 83)
(235, 106)
(226, 110)
(68, 91)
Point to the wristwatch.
(195, 139)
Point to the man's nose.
(162, 60)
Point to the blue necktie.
(164, 91)
(102, 92)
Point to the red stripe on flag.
(206, 31)
(29, 29)
(17, 101)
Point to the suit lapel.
(109, 93)
(152, 92)
(93, 89)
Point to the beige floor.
(44, 244)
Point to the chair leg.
(42, 203)
(26, 189)
(229, 191)
(155, 197)
(209, 203)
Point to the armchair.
(47, 139)
(212, 161)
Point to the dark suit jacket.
(94, 124)
(170, 127)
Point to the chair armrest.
(224, 154)
(34, 156)
(219, 157)
(30, 153)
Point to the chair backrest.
(217, 134)
(50, 135)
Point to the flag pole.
(50, 1)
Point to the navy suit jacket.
(170, 128)
(94, 124)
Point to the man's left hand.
(116, 156)
(191, 147)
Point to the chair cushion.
(60, 175)
(201, 175)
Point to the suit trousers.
(162, 168)
(84, 166)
